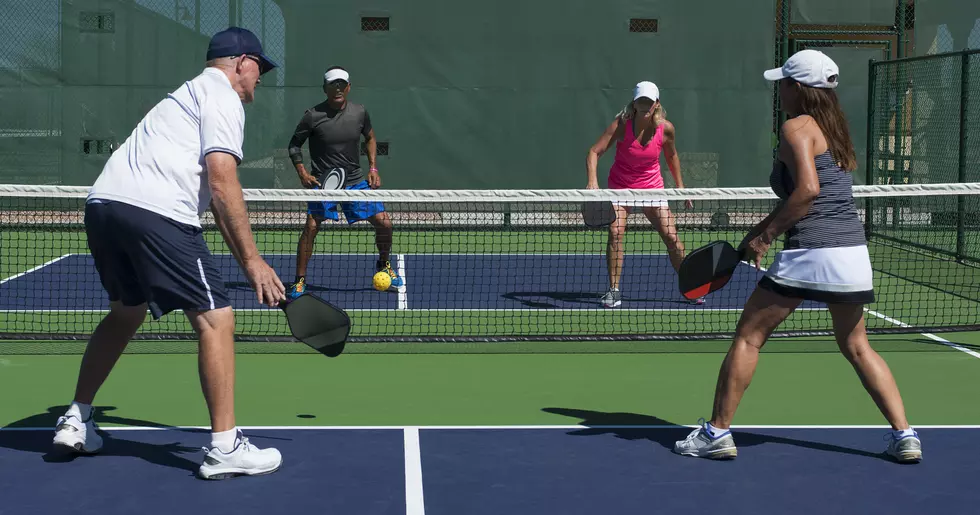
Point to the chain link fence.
(76, 75)
(924, 127)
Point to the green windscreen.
(503, 94)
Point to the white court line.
(899, 323)
(55, 260)
(414, 499)
(496, 428)
(403, 291)
(931, 336)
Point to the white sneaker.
(244, 460)
(906, 449)
(72, 434)
(613, 298)
(701, 444)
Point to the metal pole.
(870, 148)
(961, 173)
(901, 27)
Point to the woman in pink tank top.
(640, 132)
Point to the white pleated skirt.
(834, 275)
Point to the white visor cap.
(336, 74)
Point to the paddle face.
(317, 323)
(707, 269)
(597, 214)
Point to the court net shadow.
(533, 299)
(633, 426)
(161, 454)
(562, 299)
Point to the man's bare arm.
(228, 204)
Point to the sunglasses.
(258, 61)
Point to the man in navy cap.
(142, 219)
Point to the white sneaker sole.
(67, 443)
(718, 454)
(908, 456)
(223, 472)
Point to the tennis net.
(502, 265)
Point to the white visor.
(336, 74)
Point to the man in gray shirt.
(334, 129)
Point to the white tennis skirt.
(835, 275)
(641, 203)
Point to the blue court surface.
(432, 281)
(497, 470)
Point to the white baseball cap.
(336, 74)
(646, 89)
(808, 67)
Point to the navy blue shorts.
(142, 257)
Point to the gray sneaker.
(613, 298)
(907, 449)
(701, 444)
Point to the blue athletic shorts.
(142, 256)
(354, 211)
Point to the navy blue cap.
(237, 41)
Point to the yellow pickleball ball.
(382, 281)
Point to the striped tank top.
(637, 165)
(833, 219)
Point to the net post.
(961, 172)
(869, 152)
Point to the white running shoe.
(701, 444)
(244, 460)
(72, 434)
(906, 449)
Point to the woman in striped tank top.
(825, 258)
(639, 132)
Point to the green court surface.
(798, 382)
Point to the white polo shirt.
(160, 167)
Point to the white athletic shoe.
(72, 434)
(701, 444)
(244, 460)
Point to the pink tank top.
(637, 166)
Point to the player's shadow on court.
(39, 441)
(624, 425)
(535, 299)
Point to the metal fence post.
(961, 172)
(870, 148)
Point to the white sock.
(225, 440)
(714, 431)
(902, 433)
(81, 411)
